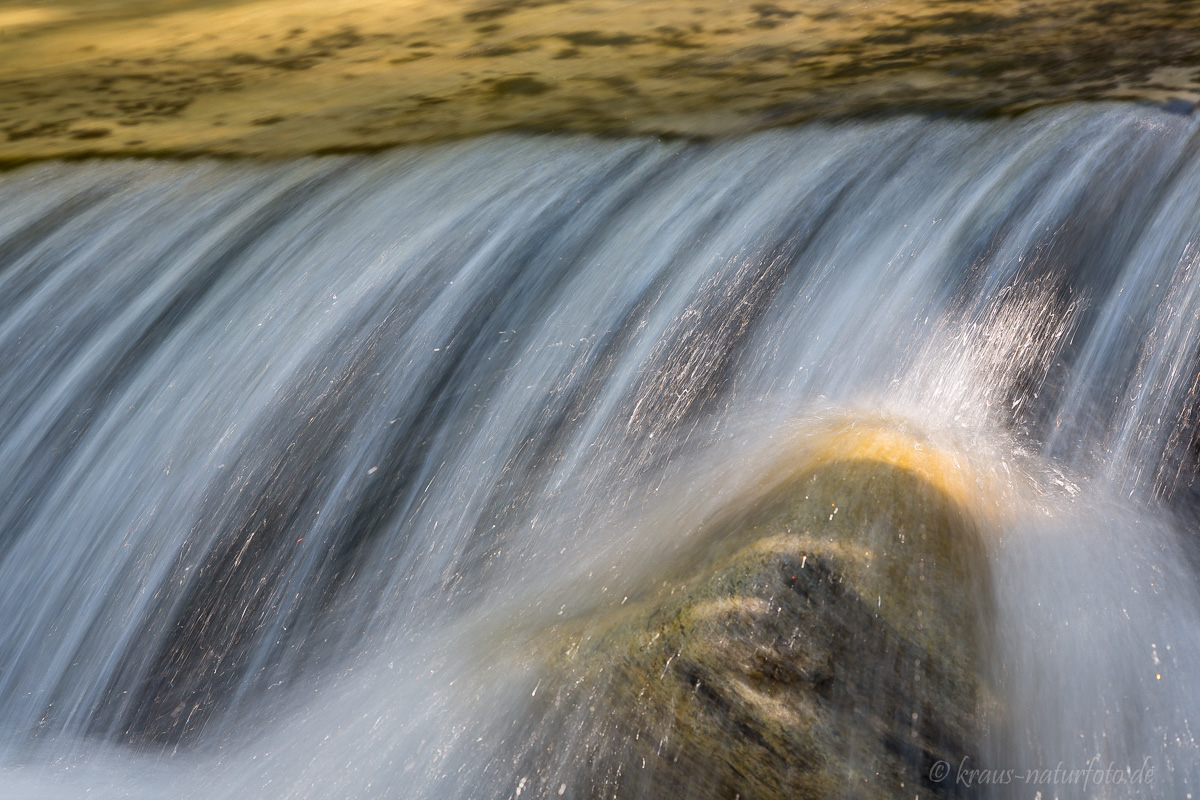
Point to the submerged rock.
(831, 646)
(284, 78)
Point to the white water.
(296, 459)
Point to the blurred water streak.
(298, 457)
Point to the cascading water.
(298, 459)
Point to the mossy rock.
(831, 647)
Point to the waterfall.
(298, 458)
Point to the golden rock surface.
(276, 78)
(835, 645)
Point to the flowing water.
(297, 459)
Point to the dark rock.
(832, 649)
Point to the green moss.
(831, 644)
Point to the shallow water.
(299, 459)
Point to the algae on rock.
(832, 646)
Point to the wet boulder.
(832, 645)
